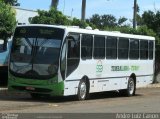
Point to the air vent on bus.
(89, 28)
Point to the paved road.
(146, 100)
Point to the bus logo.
(99, 67)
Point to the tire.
(83, 90)
(131, 88)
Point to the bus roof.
(95, 32)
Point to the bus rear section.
(34, 61)
(4, 53)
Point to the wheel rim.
(131, 87)
(83, 90)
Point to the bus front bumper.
(36, 86)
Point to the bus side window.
(134, 49)
(123, 48)
(86, 47)
(144, 49)
(111, 47)
(73, 48)
(99, 47)
(73, 54)
(151, 49)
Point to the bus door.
(73, 52)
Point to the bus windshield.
(35, 52)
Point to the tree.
(121, 20)
(80, 23)
(50, 17)
(12, 2)
(54, 3)
(103, 21)
(139, 20)
(152, 20)
(108, 21)
(96, 20)
(7, 22)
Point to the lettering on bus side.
(124, 68)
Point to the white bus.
(63, 61)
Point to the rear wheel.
(130, 91)
(83, 91)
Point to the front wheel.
(131, 88)
(83, 90)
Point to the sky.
(118, 8)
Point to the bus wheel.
(82, 90)
(131, 88)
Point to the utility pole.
(83, 13)
(71, 12)
(135, 14)
(54, 3)
(64, 6)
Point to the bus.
(51, 60)
(4, 54)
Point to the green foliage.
(141, 30)
(7, 20)
(139, 19)
(144, 30)
(121, 20)
(149, 18)
(55, 17)
(77, 22)
(11, 2)
(50, 17)
(106, 21)
(152, 21)
(102, 22)
(96, 20)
